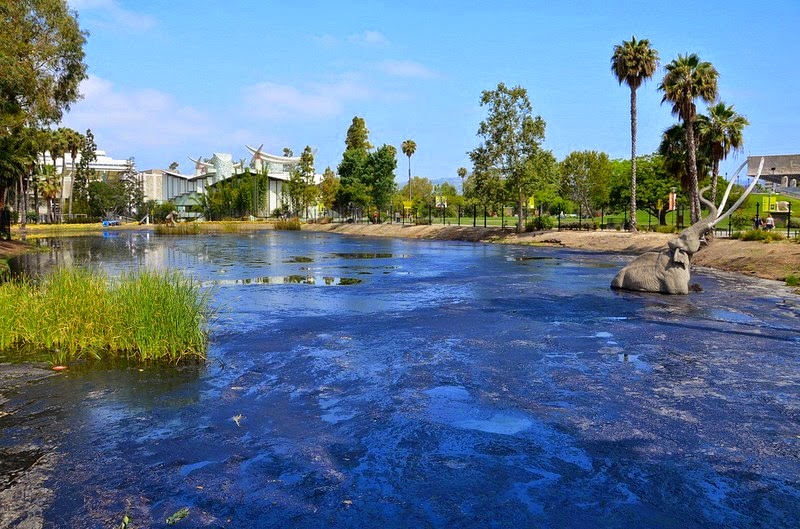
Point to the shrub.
(545, 222)
(759, 235)
(792, 280)
(665, 229)
(288, 224)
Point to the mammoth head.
(680, 257)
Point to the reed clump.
(292, 224)
(147, 316)
(184, 228)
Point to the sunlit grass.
(74, 313)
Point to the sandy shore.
(776, 260)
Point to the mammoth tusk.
(744, 195)
(730, 185)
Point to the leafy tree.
(380, 177)
(409, 147)
(83, 174)
(329, 188)
(511, 149)
(287, 152)
(633, 62)
(351, 170)
(174, 166)
(420, 191)
(722, 130)
(41, 60)
(654, 185)
(585, 179)
(301, 188)
(357, 135)
(687, 79)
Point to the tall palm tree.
(75, 141)
(722, 131)
(633, 62)
(676, 155)
(57, 145)
(409, 147)
(687, 79)
(462, 172)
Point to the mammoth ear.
(681, 257)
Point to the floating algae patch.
(295, 279)
(370, 255)
(299, 259)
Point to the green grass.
(74, 313)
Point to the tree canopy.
(511, 150)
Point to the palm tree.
(409, 147)
(75, 141)
(676, 156)
(462, 172)
(687, 79)
(722, 131)
(633, 62)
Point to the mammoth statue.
(669, 271)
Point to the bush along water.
(72, 313)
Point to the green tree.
(687, 79)
(723, 131)
(632, 63)
(380, 177)
(83, 173)
(329, 188)
(409, 147)
(174, 166)
(357, 135)
(654, 185)
(511, 150)
(585, 179)
(41, 60)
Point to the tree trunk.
(61, 198)
(714, 178)
(520, 205)
(72, 183)
(694, 190)
(24, 207)
(409, 179)
(633, 161)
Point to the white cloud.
(277, 101)
(406, 69)
(135, 120)
(370, 38)
(110, 14)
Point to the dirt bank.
(775, 260)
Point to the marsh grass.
(288, 225)
(74, 313)
(184, 228)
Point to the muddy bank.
(775, 261)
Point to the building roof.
(775, 166)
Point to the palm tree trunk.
(409, 178)
(23, 189)
(694, 190)
(72, 184)
(520, 205)
(714, 178)
(633, 161)
(61, 199)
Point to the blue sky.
(184, 78)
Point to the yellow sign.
(407, 204)
(659, 204)
(531, 203)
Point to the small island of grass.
(70, 314)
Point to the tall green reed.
(74, 313)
